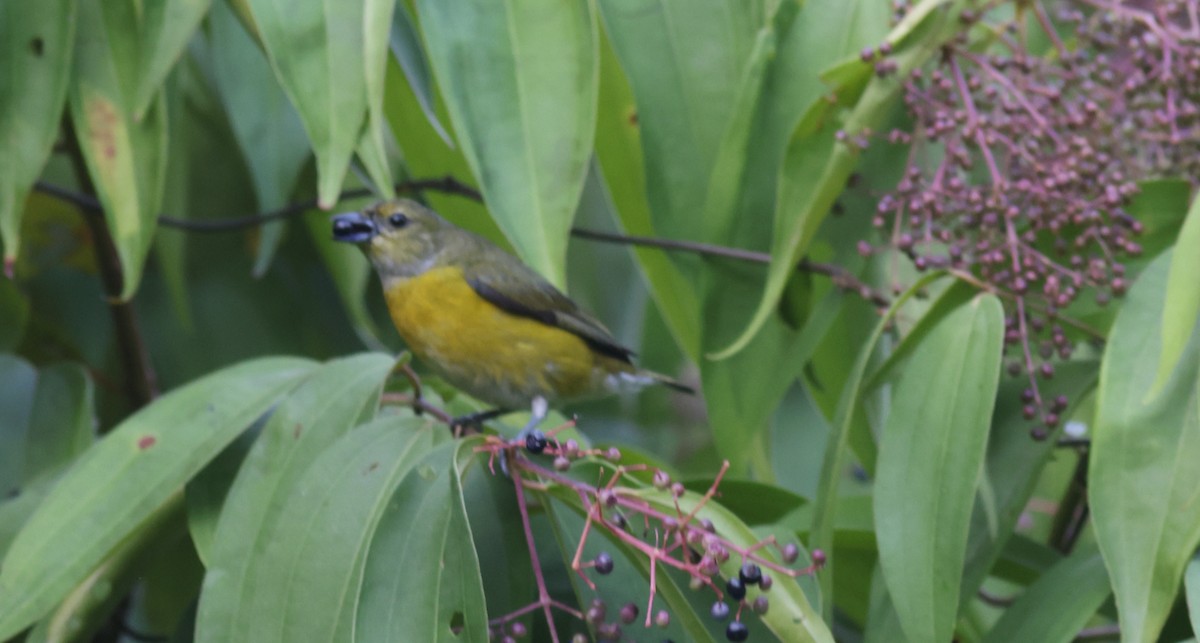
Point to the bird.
(484, 321)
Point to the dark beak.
(353, 227)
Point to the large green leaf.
(166, 27)
(817, 164)
(421, 581)
(1014, 466)
(619, 156)
(36, 39)
(684, 101)
(848, 414)
(266, 126)
(409, 53)
(126, 476)
(940, 416)
(427, 153)
(373, 144)
(520, 81)
(310, 574)
(126, 157)
(1142, 474)
(318, 52)
(319, 411)
(1059, 604)
(1182, 306)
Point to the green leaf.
(1057, 605)
(318, 412)
(684, 101)
(1142, 473)
(87, 608)
(406, 48)
(849, 411)
(817, 165)
(126, 157)
(126, 476)
(619, 156)
(36, 39)
(520, 82)
(310, 574)
(372, 145)
(1014, 466)
(318, 52)
(940, 416)
(267, 128)
(1182, 305)
(206, 493)
(166, 27)
(422, 573)
(426, 153)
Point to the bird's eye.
(398, 220)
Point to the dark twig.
(841, 278)
(1072, 514)
(141, 383)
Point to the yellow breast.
(493, 355)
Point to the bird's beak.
(353, 227)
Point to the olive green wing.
(521, 291)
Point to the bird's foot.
(475, 420)
(529, 437)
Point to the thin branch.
(842, 278)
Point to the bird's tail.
(671, 382)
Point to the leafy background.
(165, 471)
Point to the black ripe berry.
(737, 631)
(535, 442)
(736, 588)
(604, 564)
(750, 574)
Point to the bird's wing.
(525, 293)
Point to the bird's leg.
(477, 418)
(538, 409)
(528, 437)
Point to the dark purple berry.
(737, 631)
(736, 588)
(604, 563)
(750, 574)
(535, 442)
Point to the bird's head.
(402, 238)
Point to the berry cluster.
(1023, 162)
(666, 535)
(1147, 59)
